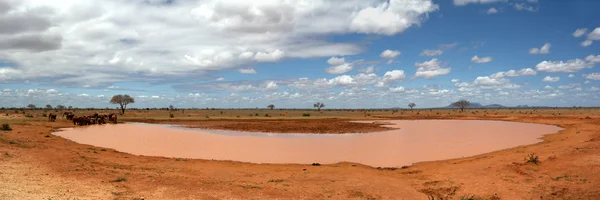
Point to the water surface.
(414, 141)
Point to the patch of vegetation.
(44, 115)
(305, 114)
(532, 158)
(171, 115)
(28, 115)
(275, 180)
(120, 179)
(5, 127)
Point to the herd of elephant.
(87, 120)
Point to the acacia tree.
(122, 100)
(60, 107)
(171, 108)
(319, 105)
(48, 106)
(271, 106)
(31, 106)
(461, 104)
(411, 105)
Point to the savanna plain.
(37, 164)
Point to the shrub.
(305, 114)
(44, 115)
(28, 115)
(171, 115)
(256, 114)
(5, 127)
(532, 158)
(266, 115)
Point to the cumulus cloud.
(524, 7)
(391, 18)
(397, 89)
(273, 56)
(74, 38)
(430, 69)
(394, 75)
(592, 36)
(336, 61)
(465, 2)
(569, 66)
(545, 49)
(389, 54)
(571, 75)
(477, 59)
(339, 66)
(521, 72)
(551, 79)
(247, 71)
(592, 76)
(580, 32)
(339, 69)
(492, 11)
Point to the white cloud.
(391, 18)
(545, 49)
(430, 69)
(72, 39)
(397, 89)
(551, 79)
(339, 69)
(336, 61)
(569, 66)
(220, 79)
(394, 75)
(571, 75)
(580, 32)
(594, 89)
(271, 86)
(547, 87)
(477, 59)
(454, 80)
(592, 76)
(521, 72)
(247, 71)
(273, 56)
(465, 2)
(52, 91)
(592, 36)
(434, 52)
(524, 7)
(389, 54)
(492, 11)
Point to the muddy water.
(414, 141)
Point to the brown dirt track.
(38, 165)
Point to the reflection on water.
(414, 141)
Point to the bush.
(5, 127)
(44, 115)
(305, 114)
(532, 158)
(28, 115)
(171, 115)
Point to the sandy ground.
(38, 165)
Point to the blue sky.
(347, 54)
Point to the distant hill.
(478, 105)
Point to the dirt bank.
(274, 126)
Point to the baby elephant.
(52, 117)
